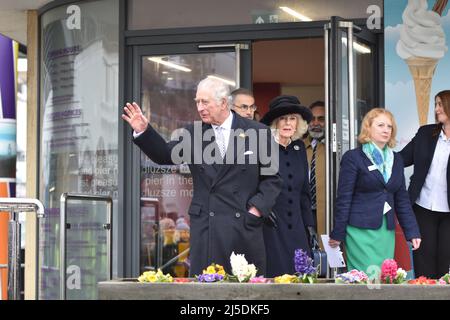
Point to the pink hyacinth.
(388, 270)
(259, 279)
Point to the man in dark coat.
(235, 177)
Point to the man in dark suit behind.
(235, 177)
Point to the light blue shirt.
(433, 195)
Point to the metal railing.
(15, 206)
(63, 226)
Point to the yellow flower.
(286, 278)
(220, 270)
(210, 270)
(152, 276)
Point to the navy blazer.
(419, 152)
(362, 193)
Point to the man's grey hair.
(219, 89)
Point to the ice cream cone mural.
(422, 45)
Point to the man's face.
(316, 127)
(244, 105)
(209, 110)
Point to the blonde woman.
(289, 122)
(371, 190)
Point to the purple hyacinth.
(210, 277)
(303, 263)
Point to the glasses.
(246, 107)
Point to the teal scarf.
(382, 159)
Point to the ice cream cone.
(422, 71)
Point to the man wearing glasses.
(230, 202)
(243, 103)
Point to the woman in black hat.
(289, 121)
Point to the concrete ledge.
(130, 289)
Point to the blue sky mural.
(399, 85)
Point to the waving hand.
(135, 118)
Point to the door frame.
(182, 40)
(137, 52)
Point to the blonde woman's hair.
(364, 136)
(302, 126)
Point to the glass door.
(350, 92)
(166, 79)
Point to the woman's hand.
(416, 243)
(334, 243)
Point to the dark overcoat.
(293, 211)
(222, 194)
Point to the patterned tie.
(312, 178)
(220, 140)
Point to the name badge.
(372, 167)
(386, 208)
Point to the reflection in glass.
(167, 94)
(78, 114)
(86, 248)
(144, 14)
(363, 88)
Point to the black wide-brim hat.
(285, 104)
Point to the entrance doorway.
(292, 60)
(293, 66)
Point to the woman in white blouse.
(429, 152)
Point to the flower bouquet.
(242, 271)
(287, 278)
(152, 276)
(445, 279)
(391, 274)
(422, 280)
(304, 268)
(214, 273)
(181, 280)
(352, 277)
(259, 279)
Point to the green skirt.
(367, 247)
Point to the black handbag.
(319, 257)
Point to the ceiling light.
(358, 46)
(169, 64)
(294, 13)
(227, 81)
(165, 72)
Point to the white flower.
(401, 273)
(240, 267)
(252, 270)
(237, 261)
